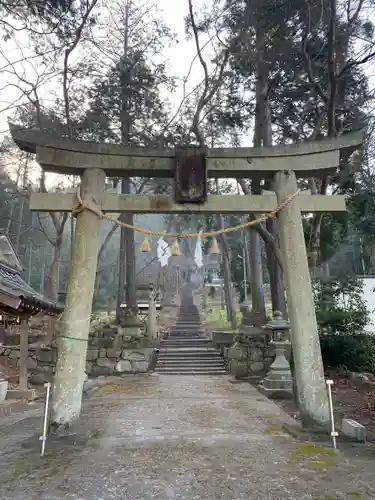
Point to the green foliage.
(340, 308)
(297, 84)
(217, 319)
(145, 112)
(353, 352)
(342, 316)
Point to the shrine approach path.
(177, 437)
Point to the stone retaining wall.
(9, 355)
(111, 361)
(41, 361)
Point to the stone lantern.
(279, 381)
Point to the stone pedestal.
(248, 356)
(130, 329)
(278, 383)
(237, 361)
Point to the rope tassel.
(146, 246)
(176, 252)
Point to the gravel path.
(177, 437)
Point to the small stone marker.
(354, 429)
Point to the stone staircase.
(187, 351)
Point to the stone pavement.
(177, 437)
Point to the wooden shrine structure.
(19, 302)
(94, 162)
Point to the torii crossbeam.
(96, 161)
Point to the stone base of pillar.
(278, 383)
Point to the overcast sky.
(15, 54)
(179, 59)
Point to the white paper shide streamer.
(198, 255)
(164, 252)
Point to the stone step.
(181, 360)
(188, 318)
(179, 355)
(197, 332)
(188, 333)
(188, 341)
(193, 332)
(189, 321)
(190, 330)
(199, 346)
(197, 326)
(190, 363)
(177, 347)
(182, 351)
(185, 345)
(184, 328)
(188, 349)
(200, 371)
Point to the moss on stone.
(318, 457)
(320, 465)
(306, 450)
(273, 429)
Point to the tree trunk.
(315, 235)
(53, 276)
(127, 267)
(19, 225)
(121, 276)
(276, 274)
(228, 289)
(256, 267)
(131, 289)
(257, 291)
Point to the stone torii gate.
(93, 162)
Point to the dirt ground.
(351, 399)
(177, 437)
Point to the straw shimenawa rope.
(83, 205)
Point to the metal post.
(43, 437)
(334, 434)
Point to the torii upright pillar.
(309, 373)
(75, 324)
